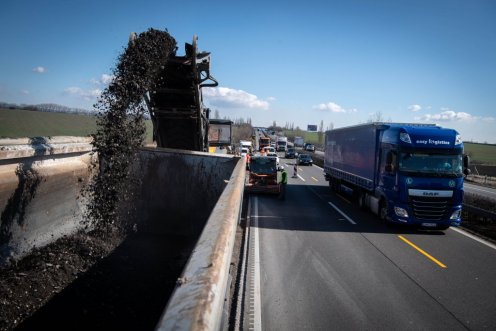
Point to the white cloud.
(85, 94)
(414, 108)
(25, 92)
(334, 108)
(231, 98)
(104, 79)
(448, 115)
(39, 69)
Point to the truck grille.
(430, 209)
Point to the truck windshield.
(441, 164)
(263, 166)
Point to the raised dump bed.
(186, 211)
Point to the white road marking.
(257, 318)
(482, 241)
(301, 178)
(342, 213)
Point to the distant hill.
(48, 107)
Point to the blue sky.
(340, 62)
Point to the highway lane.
(322, 270)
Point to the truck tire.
(361, 200)
(383, 210)
(333, 184)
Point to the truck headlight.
(456, 214)
(401, 212)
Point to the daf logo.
(451, 183)
(409, 180)
(430, 194)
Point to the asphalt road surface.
(316, 262)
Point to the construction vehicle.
(263, 142)
(219, 136)
(175, 103)
(263, 176)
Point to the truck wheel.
(333, 184)
(361, 201)
(383, 210)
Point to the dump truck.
(180, 119)
(220, 136)
(406, 173)
(263, 142)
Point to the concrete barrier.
(193, 195)
(198, 300)
(40, 191)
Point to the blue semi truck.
(405, 173)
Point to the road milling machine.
(180, 119)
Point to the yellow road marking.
(433, 259)
(315, 179)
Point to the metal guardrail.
(479, 211)
(198, 299)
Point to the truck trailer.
(405, 173)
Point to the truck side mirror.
(466, 164)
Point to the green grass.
(481, 153)
(16, 123)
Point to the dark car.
(304, 159)
(290, 153)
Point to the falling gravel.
(121, 127)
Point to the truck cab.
(420, 176)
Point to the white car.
(274, 154)
(244, 152)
